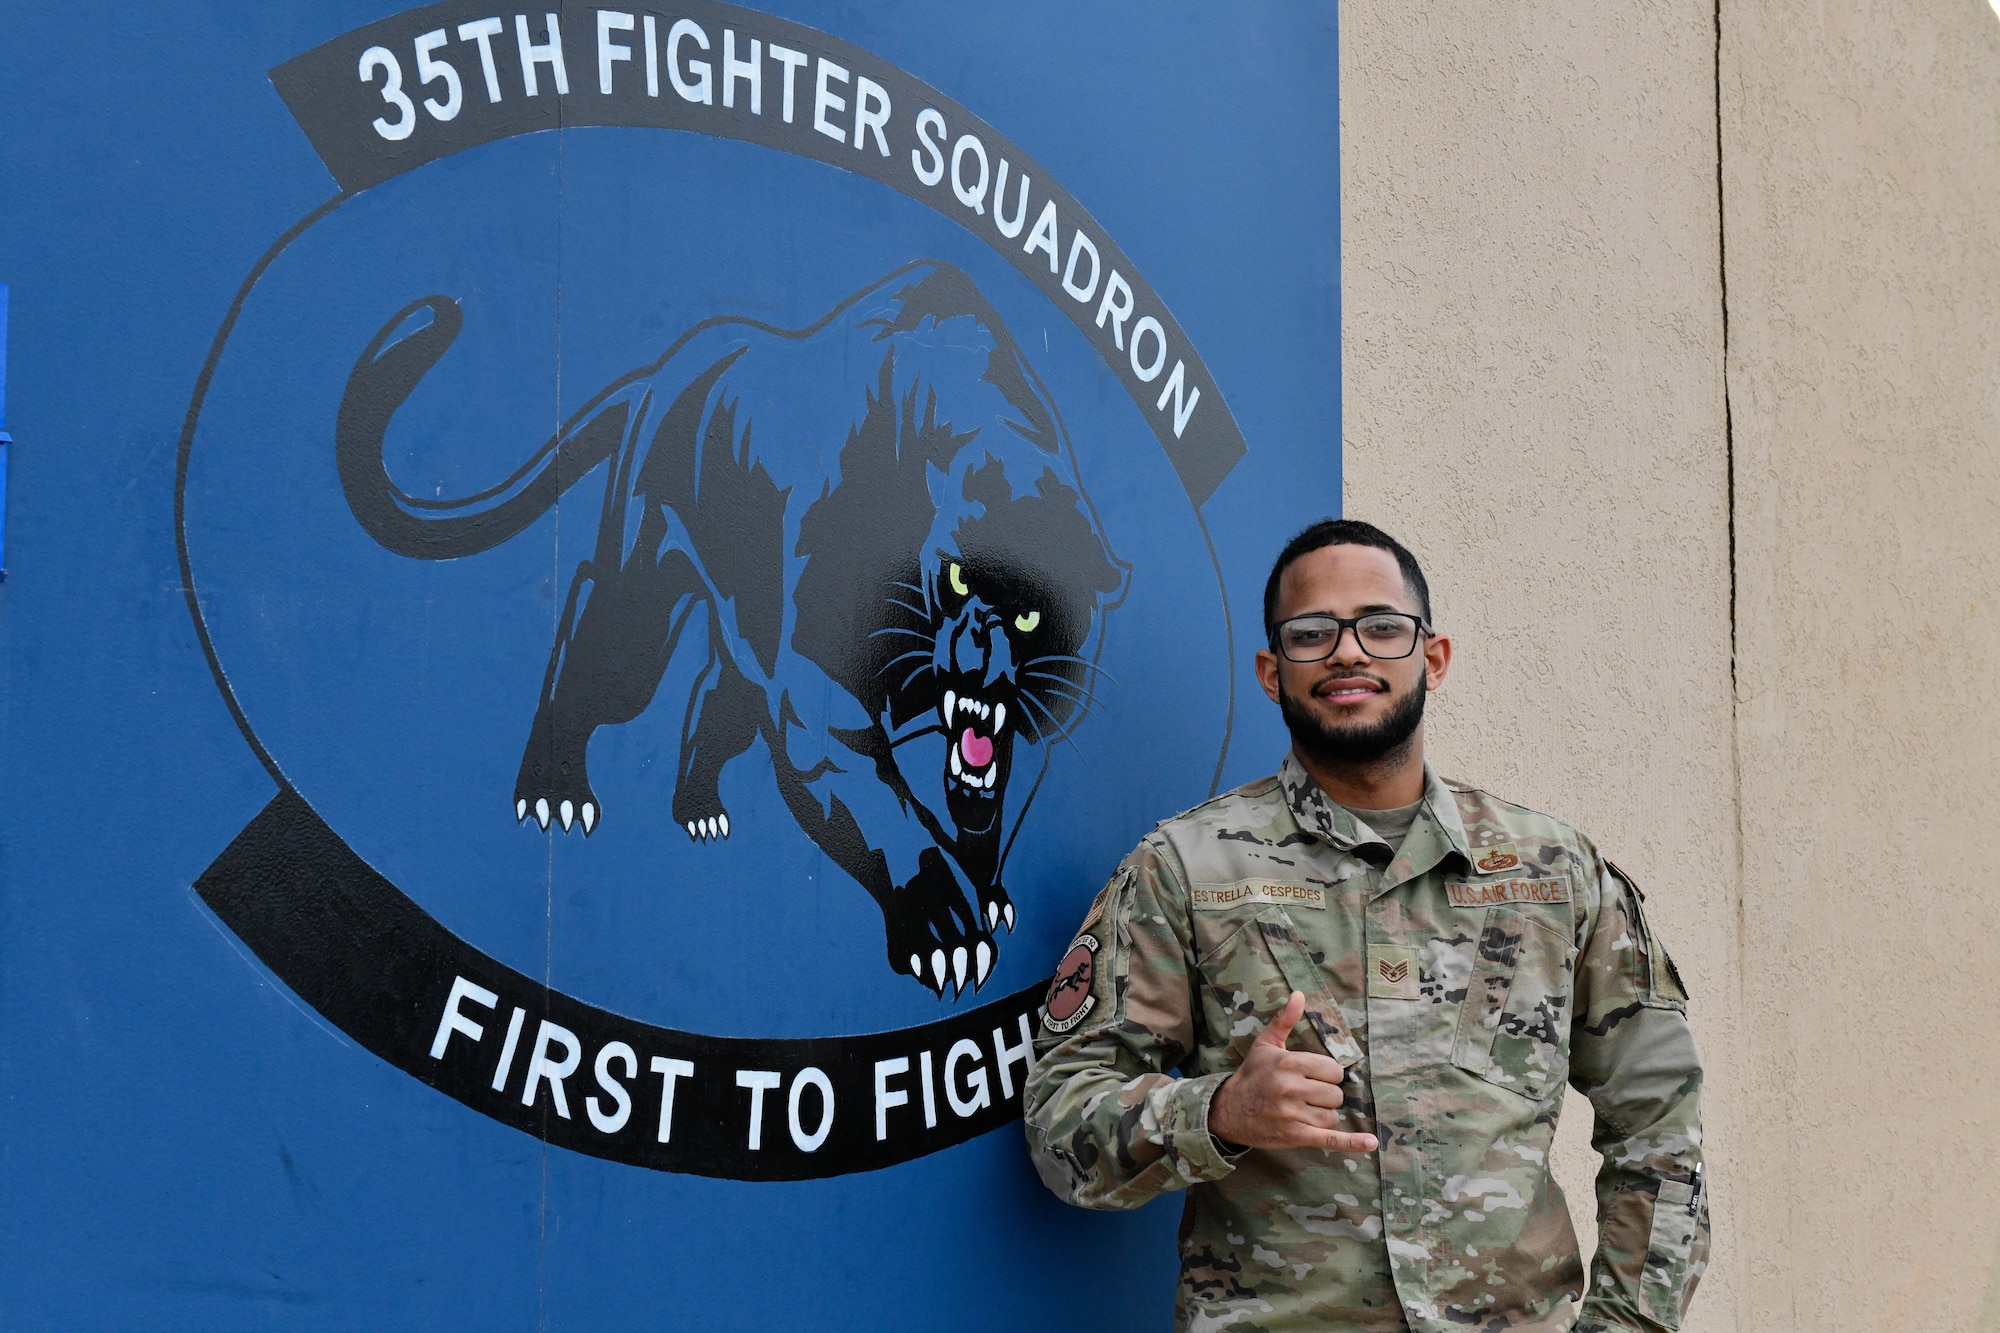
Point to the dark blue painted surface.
(183, 1144)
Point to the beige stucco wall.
(1534, 362)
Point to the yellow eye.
(1026, 624)
(957, 577)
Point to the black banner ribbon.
(420, 85)
(381, 969)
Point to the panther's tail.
(424, 529)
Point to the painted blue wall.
(183, 1142)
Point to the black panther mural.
(877, 518)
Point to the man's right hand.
(1283, 1099)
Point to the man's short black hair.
(1345, 532)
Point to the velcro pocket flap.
(1309, 978)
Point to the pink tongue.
(976, 749)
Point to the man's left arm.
(1633, 1055)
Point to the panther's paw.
(709, 828)
(571, 809)
(934, 935)
(996, 907)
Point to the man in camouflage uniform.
(1339, 1006)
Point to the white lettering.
(1147, 374)
(750, 71)
(1005, 1055)
(884, 1098)
(824, 100)
(1172, 390)
(702, 90)
(793, 61)
(1079, 245)
(380, 57)
(1118, 304)
(968, 196)
(669, 1071)
(609, 20)
(429, 71)
(612, 1123)
(759, 1081)
(810, 1078)
(483, 32)
(966, 1049)
(1043, 237)
(555, 1071)
(652, 57)
(453, 1021)
(928, 120)
(548, 53)
(507, 1050)
(930, 1091)
(871, 117)
(1010, 231)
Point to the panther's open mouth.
(974, 728)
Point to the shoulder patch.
(1096, 911)
(1069, 1000)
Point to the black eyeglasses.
(1384, 635)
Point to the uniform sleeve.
(1107, 1125)
(1633, 1056)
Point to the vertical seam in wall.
(1729, 465)
(1738, 962)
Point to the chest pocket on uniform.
(1513, 1027)
(1249, 975)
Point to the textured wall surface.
(1861, 151)
(1534, 287)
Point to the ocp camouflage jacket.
(1496, 958)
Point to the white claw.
(589, 816)
(958, 966)
(520, 808)
(1008, 912)
(723, 820)
(992, 917)
(985, 958)
(691, 830)
(937, 967)
(999, 718)
(950, 706)
(568, 813)
(916, 967)
(542, 812)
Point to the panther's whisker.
(903, 657)
(921, 612)
(1083, 691)
(898, 629)
(916, 588)
(1077, 706)
(1059, 733)
(1083, 662)
(913, 675)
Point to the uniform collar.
(1437, 832)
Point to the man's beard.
(1339, 746)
